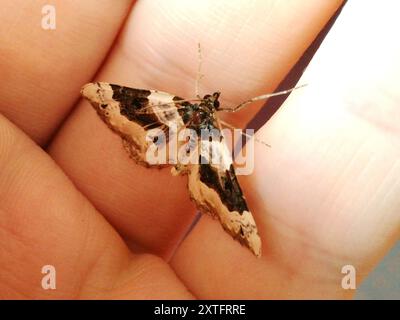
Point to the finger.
(325, 195)
(247, 49)
(343, 131)
(42, 69)
(149, 207)
(45, 221)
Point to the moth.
(214, 187)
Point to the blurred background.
(384, 281)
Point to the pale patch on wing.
(240, 225)
(216, 153)
(163, 106)
(133, 119)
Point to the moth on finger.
(135, 114)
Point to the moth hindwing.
(135, 113)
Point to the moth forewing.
(214, 187)
(133, 113)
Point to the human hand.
(324, 196)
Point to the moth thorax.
(212, 100)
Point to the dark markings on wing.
(131, 102)
(184, 109)
(226, 185)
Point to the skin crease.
(323, 196)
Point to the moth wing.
(134, 114)
(139, 116)
(215, 189)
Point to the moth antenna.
(199, 75)
(143, 110)
(183, 100)
(167, 103)
(262, 97)
(243, 133)
(150, 124)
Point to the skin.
(326, 194)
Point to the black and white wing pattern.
(215, 189)
(134, 113)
